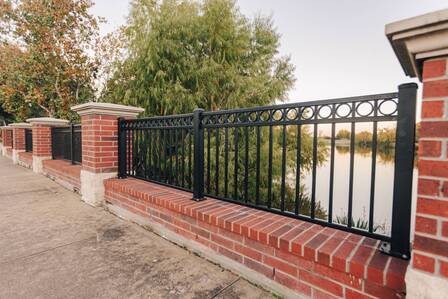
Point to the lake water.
(361, 186)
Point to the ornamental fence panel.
(258, 156)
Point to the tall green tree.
(52, 68)
(187, 54)
(179, 55)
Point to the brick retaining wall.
(312, 260)
(64, 173)
(26, 159)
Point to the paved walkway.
(54, 246)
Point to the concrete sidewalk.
(52, 245)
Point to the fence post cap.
(408, 85)
(48, 121)
(94, 108)
(20, 125)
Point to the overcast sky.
(338, 46)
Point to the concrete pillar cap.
(93, 108)
(417, 39)
(21, 125)
(48, 121)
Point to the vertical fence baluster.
(198, 189)
(235, 168)
(331, 187)
(257, 179)
(283, 191)
(170, 156)
(183, 158)
(352, 165)
(313, 182)
(373, 176)
(298, 165)
(217, 163)
(270, 167)
(176, 150)
(246, 164)
(134, 156)
(208, 161)
(226, 162)
(159, 155)
(128, 144)
(190, 158)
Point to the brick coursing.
(99, 143)
(41, 140)
(7, 140)
(430, 247)
(315, 261)
(18, 142)
(64, 171)
(26, 159)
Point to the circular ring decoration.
(292, 114)
(365, 106)
(231, 118)
(387, 109)
(277, 115)
(253, 117)
(221, 118)
(343, 110)
(242, 117)
(307, 113)
(325, 112)
(264, 115)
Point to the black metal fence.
(66, 143)
(257, 157)
(28, 140)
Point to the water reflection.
(383, 188)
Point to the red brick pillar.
(99, 125)
(18, 142)
(430, 253)
(7, 140)
(421, 46)
(42, 138)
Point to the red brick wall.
(7, 141)
(18, 139)
(26, 159)
(41, 140)
(64, 171)
(310, 259)
(99, 143)
(430, 248)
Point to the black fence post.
(53, 143)
(72, 135)
(404, 167)
(121, 149)
(198, 169)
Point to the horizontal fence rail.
(28, 140)
(66, 143)
(258, 157)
